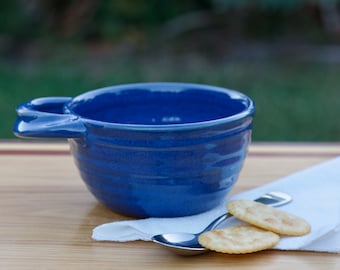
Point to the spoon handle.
(217, 221)
(273, 198)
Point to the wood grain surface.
(47, 214)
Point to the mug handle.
(45, 118)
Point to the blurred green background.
(284, 54)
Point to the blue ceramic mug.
(149, 149)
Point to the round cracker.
(268, 217)
(238, 239)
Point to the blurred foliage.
(112, 19)
(87, 18)
(260, 47)
(294, 102)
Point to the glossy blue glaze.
(150, 149)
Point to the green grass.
(294, 101)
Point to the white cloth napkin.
(316, 198)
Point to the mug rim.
(159, 86)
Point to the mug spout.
(44, 118)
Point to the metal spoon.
(187, 243)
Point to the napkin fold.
(316, 198)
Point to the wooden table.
(47, 214)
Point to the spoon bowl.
(187, 243)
